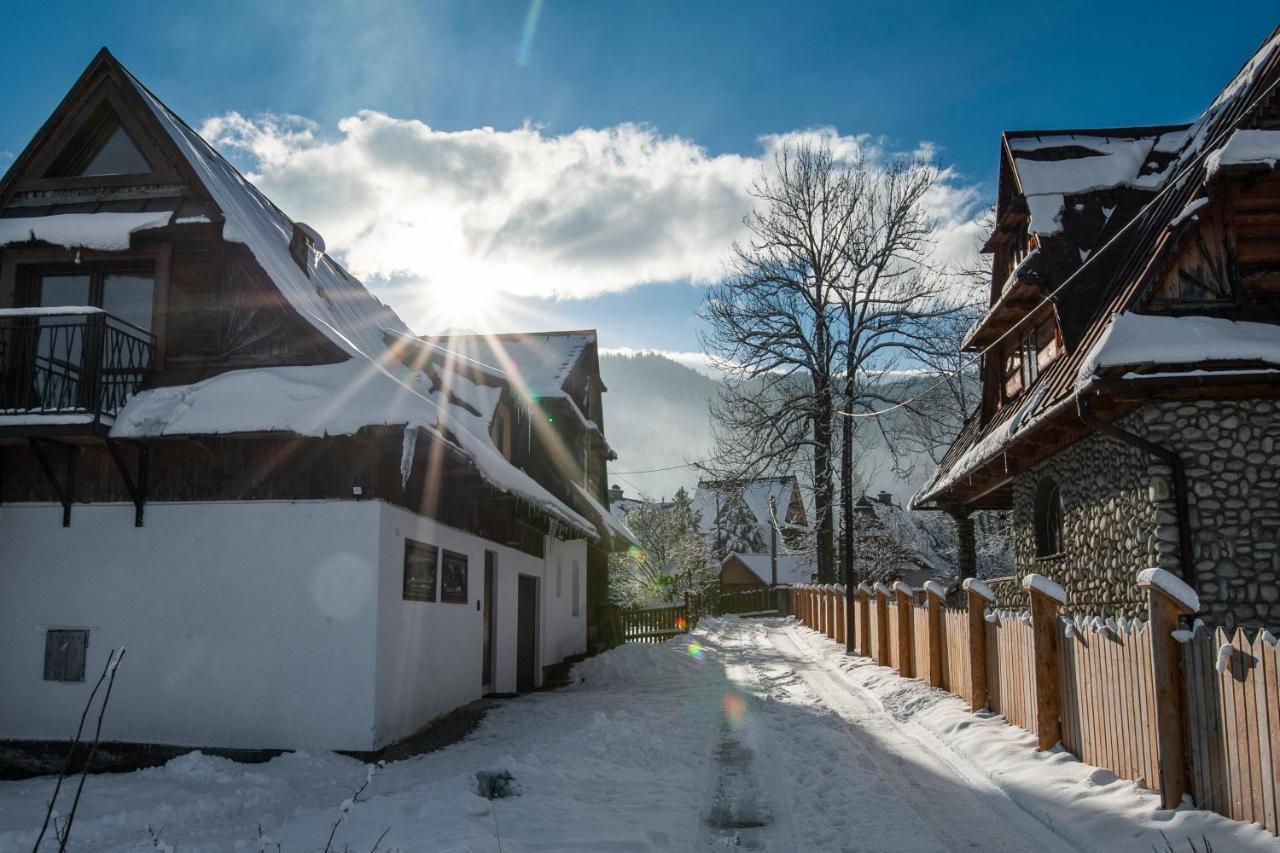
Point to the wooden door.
(527, 635)
(490, 580)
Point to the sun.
(460, 306)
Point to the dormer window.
(1033, 351)
(101, 147)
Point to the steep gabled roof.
(715, 500)
(367, 386)
(1112, 278)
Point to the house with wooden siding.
(219, 450)
(1130, 358)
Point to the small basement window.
(1048, 519)
(453, 578)
(64, 654)
(420, 562)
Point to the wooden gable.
(102, 112)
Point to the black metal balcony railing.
(60, 362)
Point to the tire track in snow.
(958, 808)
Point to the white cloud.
(571, 215)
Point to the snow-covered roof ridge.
(1171, 585)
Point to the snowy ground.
(755, 734)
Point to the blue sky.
(717, 76)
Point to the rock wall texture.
(1119, 514)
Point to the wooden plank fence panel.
(892, 613)
(920, 640)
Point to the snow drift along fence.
(1179, 711)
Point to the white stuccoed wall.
(247, 624)
(261, 624)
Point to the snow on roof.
(1246, 148)
(321, 400)
(711, 497)
(538, 362)
(793, 569)
(371, 388)
(1084, 161)
(1143, 339)
(105, 231)
(613, 524)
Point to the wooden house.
(755, 528)
(1131, 357)
(219, 450)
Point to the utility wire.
(950, 374)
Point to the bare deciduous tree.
(772, 330)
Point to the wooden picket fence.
(1179, 711)
(654, 624)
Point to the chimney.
(885, 498)
(615, 493)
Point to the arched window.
(1048, 519)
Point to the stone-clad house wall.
(1119, 516)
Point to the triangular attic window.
(100, 147)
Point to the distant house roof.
(1150, 179)
(736, 513)
(792, 568)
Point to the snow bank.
(1246, 148)
(979, 587)
(1141, 339)
(1046, 587)
(1089, 807)
(105, 231)
(1172, 586)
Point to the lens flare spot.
(695, 649)
(681, 623)
(735, 709)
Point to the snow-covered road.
(747, 734)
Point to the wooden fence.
(1179, 711)
(654, 624)
(1011, 680)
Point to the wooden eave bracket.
(64, 492)
(137, 488)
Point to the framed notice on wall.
(420, 562)
(453, 578)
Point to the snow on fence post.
(1047, 598)
(863, 622)
(977, 597)
(934, 594)
(906, 629)
(882, 624)
(1168, 599)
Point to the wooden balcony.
(68, 370)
